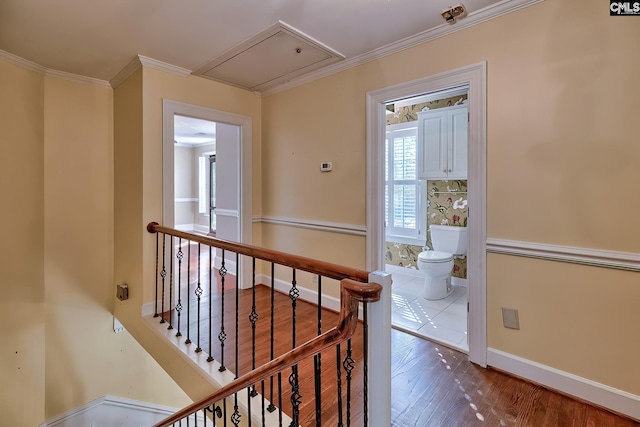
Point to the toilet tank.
(446, 238)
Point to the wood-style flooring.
(432, 385)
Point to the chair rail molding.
(571, 254)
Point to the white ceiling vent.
(269, 58)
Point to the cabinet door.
(432, 141)
(457, 144)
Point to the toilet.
(436, 265)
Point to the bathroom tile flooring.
(444, 321)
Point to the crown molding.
(163, 66)
(32, 66)
(21, 62)
(493, 11)
(76, 78)
(128, 69)
(144, 61)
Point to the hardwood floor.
(432, 385)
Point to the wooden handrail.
(326, 269)
(351, 294)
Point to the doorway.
(227, 137)
(426, 186)
(473, 77)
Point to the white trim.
(76, 78)
(126, 71)
(492, 11)
(227, 212)
(475, 76)
(93, 413)
(163, 66)
(572, 254)
(185, 199)
(21, 62)
(600, 394)
(32, 66)
(403, 270)
(334, 227)
(305, 294)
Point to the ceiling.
(98, 39)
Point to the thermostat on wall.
(326, 167)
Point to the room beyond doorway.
(473, 76)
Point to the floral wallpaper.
(446, 205)
(409, 113)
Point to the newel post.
(379, 353)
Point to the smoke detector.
(454, 12)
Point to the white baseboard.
(112, 411)
(403, 270)
(305, 294)
(599, 394)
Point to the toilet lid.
(435, 256)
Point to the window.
(403, 211)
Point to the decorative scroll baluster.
(198, 295)
(272, 407)
(339, 379)
(179, 256)
(170, 281)
(188, 340)
(253, 318)
(222, 336)
(349, 364)
(163, 274)
(211, 269)
(294, 293)
(157, 256)
(317, 361)
(235, 418)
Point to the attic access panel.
(269, 58)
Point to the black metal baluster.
(317, 365)
(179, 256)
(365, 360)
(253, 318)
(157, 256)
(235, 418)
(188, 340)
(211, 269)
(222, 336)
(163, 274)
(170, 282)
(199, 295)
(339, 378)
(280, 399)
(293, 377)
(349, 364)
(272, 407)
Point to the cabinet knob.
(449, 170)
(444, 170)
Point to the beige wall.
(56, 174)
(21, 254)
(138, 186)
(85, 359)
(562, 160)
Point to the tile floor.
(444, 320)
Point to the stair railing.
(174, 278)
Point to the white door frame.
(169, 109)
(475, 76)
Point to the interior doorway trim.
(475, 76)
(171, 108)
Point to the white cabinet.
(442, 143)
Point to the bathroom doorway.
(471, 79)
(426, 185)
